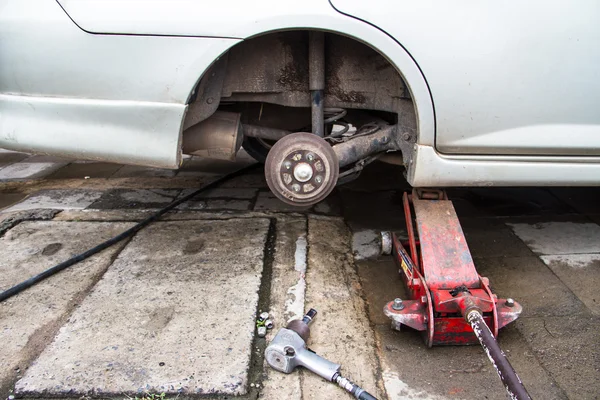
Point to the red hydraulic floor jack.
(448, 300)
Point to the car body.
(504, 94)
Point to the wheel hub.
(301, 169)
(303, 172)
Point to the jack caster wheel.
(301, 169)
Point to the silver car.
(463, 93)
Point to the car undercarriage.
(265, 91)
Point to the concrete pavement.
(172, 310)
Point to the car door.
(512, 77)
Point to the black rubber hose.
(515, 388)
(129, 232)
(366, 396)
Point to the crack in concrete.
(256, 373)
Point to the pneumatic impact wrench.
(288, 350)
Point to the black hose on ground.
(513, 384)
(128, 233)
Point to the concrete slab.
(138, 215)
(135, 198)
(83, 170)
(567, 347)
(341, 331)
(266, 201)
(529, 281)
(559, 237)
(10, 220)
(239, 199)
(196, 165)
(581, 273)
(332, 205)
(8, 199)
(378, 283)
(219, 199)
(254, 179)
(488, 237)
(134, 171)
(381, 283)
(175, 313)
(68, 199)
(105, 215)
(10, 157)
(223, 193)
(32, 167)
(106, 184)
(30, 320)
(216, 204)
(412, 371)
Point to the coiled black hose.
(129, 232)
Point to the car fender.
(243, 20)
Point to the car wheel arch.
(363, 32)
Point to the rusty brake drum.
(301, 169)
